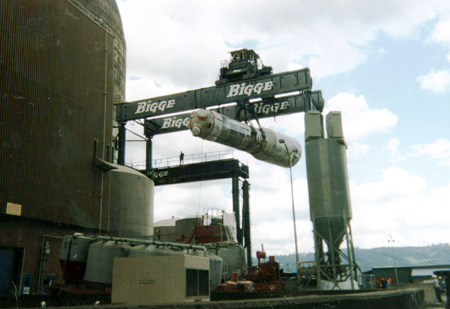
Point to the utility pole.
(391, 241)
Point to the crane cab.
(244, 64)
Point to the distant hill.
(380, 257)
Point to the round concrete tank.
(100, 261)
(164, 233)
(131, 200)
(184, 227)
(62, 70)
(329, 194)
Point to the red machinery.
(266, 276)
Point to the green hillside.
(379, 257)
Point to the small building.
(405, 274)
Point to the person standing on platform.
(181, 157)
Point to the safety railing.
(186, 159)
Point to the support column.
(149, 133)
(148, 153)
(246, 221)
(121, 143)
(236, 207)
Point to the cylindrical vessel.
(152, 250)
(328, 185)
(233, 255)
(100, 261)
(164, 233)
(62, 70)
(215, 266)
(215, 270)
(131, 202)
(265, 144)
(184, 227)
(73, 257)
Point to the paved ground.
(438, 304)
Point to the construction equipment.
(244, 64)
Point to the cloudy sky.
(384, 64)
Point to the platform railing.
(186, 159)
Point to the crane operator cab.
(244, 64)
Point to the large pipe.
(152, 242)
(264, 144)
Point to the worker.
(437, 288)
(181, 157)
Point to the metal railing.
(187, 159)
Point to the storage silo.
(329, 196)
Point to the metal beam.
(121, 144)
(246, 231)
(263, 87)
(262, 109)
(236, 207)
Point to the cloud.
(400, 203)
(440, 149)
(392, 149)
(392, 146)
(396, 183)
(182, 44)
(358, 119)
(435, 81)
(357, 151)
(440, 32)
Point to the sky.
(385, 65)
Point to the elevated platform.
(201, 171)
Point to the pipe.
(42, 261)
(152, 242)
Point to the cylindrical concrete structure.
(100, 261)
(184, 227)
(131, 213)
(62, 70)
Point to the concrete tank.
(164, 233)
(62, 70)
(131, 203)
(100, 260)
(184, 227)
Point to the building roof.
(426, 272)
